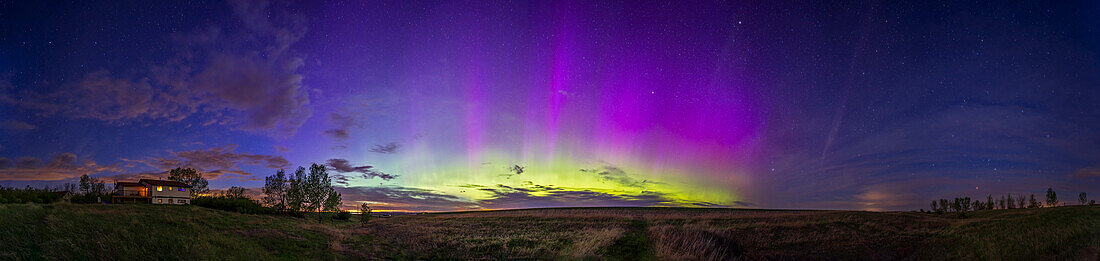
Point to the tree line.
(961, 205)
(88, 190)
(299, 192)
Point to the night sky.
(428, 106)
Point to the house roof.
(164, 183)
(128, 184)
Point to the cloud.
(403, 198)
(1090, 172)
(338, 134)
(352, 115)
(616, 175)
(388, 148)
(244, 79)
(16, 125)
(61, 167)
(368, 172)
(502, 196)
(214, 162)
(282, 149)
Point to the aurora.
(472, 105)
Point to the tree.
(979, 205)
(332, 203)
(1011, 201)
(294, 191)
(935, 207)
(1033, 203)
(70, 187)
(275, 188)
(1082, 198)
(989, 204)
(944, 204)
(235, 192)
(320, 195)
(1021, 201)
(312, 192)
(85, 184)
(190, 177)
(364, 211)
(1052, 198)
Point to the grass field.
(143, 232)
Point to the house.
(64, 195)
(152, 191)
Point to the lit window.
(160, 201)
(159, 188)
(181, 189)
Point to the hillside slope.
(132, 232)
(157, 232)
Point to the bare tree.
(1082, 198)
(235, 192)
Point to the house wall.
(131, 191)
(169, 195)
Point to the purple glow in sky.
(878, 106)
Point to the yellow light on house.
(159, 188)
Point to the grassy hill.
(133, 232)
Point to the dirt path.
(633, 245)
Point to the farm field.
(133, 232)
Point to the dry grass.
(105, 232)
(594, 240)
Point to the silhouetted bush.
(28, 195)
(90, 199)
(240, 205)
(343, 215)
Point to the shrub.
(27, 195)
(240, 205)
(364, 213)
(343, 215)
(90, 199)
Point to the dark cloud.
(338, 134)
(388, 148)
(349, 117)
(616, 175)
(403, 198)
(62, 166)
(367, 172)
(247, 80)
(16, 125)
(214, 162)
(502, 196)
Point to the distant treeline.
(965, 204)
(89, 190)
